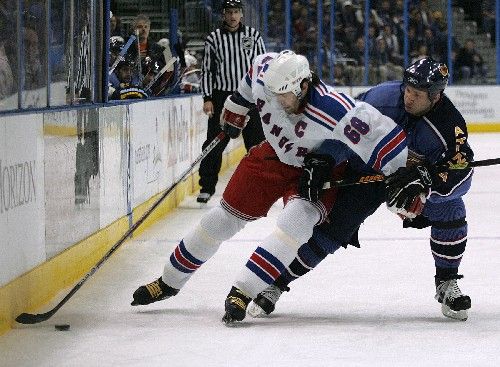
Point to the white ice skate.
(454, 304)
(265, 302)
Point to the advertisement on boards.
(22, 215)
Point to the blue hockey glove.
(316, 172)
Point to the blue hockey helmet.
(427, 74)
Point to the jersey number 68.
(356, 128)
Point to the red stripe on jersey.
(183, 261)
(339, 98)
(320, 114)
(334, 95)
(388, 148)
(265, 265)
(250, 72)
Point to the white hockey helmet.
(286, 73)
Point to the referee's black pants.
(210, 165)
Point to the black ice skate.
(265, 301)
(236, 306)
(454, 304)
(203, 197)
(153, 292)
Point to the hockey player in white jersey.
(299, 113)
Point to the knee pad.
(297, 220)
(220, 225)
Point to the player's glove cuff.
(233, 118)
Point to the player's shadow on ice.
(373, 319)
(200, 313)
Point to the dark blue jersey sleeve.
(441, 136)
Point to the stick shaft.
(377, 178)
(121, 55)
(26, 318)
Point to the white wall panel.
(113, 161)
(22, 199)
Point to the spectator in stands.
(126, 89)
(350, 28)
(356, 72)
(142, 26)
(488, 16)
(432, 44)
(384, 67)
(392, 44)
(6, 77)
(115, 46)
(33, 72)
(413, 41)
(115, 26)
(423, 9)
(470, 64)
(339, 75)
(422, 52)
(385, 12)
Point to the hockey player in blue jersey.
(436, 133)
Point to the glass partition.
(33, 65)
(8, 55)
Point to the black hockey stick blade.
(28, 318)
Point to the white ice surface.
(372, 306)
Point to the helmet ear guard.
(427, 74)
(286, 73)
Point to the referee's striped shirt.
(228, 57)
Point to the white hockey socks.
(200, 245)
(293, 228)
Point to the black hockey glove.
(407, 189)
(316, 172)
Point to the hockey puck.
(62, 327)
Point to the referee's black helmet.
(427, 74)
(232, 4)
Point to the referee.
(229, 52)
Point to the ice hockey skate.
(203, 197)
(454, 304)
(265, 302)
(153, 292)
(236, 306)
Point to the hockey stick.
(378, 178)
(139, 65)
(161, 72)
(121, 55)
(172, 87)
(27, 318)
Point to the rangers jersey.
(355, 128)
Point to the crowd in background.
(147, 68)
(34, 71)
(145, 61)
(427, 35)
